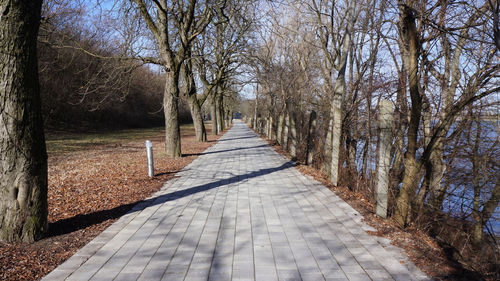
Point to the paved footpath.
(240, 211)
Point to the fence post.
(149, 153)
(384, 157)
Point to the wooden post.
(384, 157)
(310, 136)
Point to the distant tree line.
(87, 83)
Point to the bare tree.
(335, 60)
(174, 26)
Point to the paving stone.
(240, 211)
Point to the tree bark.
(338, 93)
(486, 213)
(328, 147)
(192, 99)
(293, 133)
(408, 32)
(286, 130)
(23, 168)
(220, 112)
(213, 113)
(199, 126)
(310, 137)
(279, 130)
(170, 109)
(271, 128)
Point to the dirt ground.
(90, 186)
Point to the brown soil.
(88, 191)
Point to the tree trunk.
(279, 130)
(170, 109)
(194, 103)
(199, 126)
(328, 146)
(271, 128)
(213, 114)
(293, 133)
(220, 112)
(477, 234)
(310, 137)
(286, 129)
(486, 213)
(255, 112)
(338, 94)
(23, 168)
(229, 118)
(408, 31)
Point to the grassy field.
(61, 142)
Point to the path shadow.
(225, 150)
(82, 221)
(241, 138)
(169, 173)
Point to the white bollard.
(149, 152)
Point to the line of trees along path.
(436, 61)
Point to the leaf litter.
(88, 190)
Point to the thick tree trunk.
(23, 168)
(170, 109)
